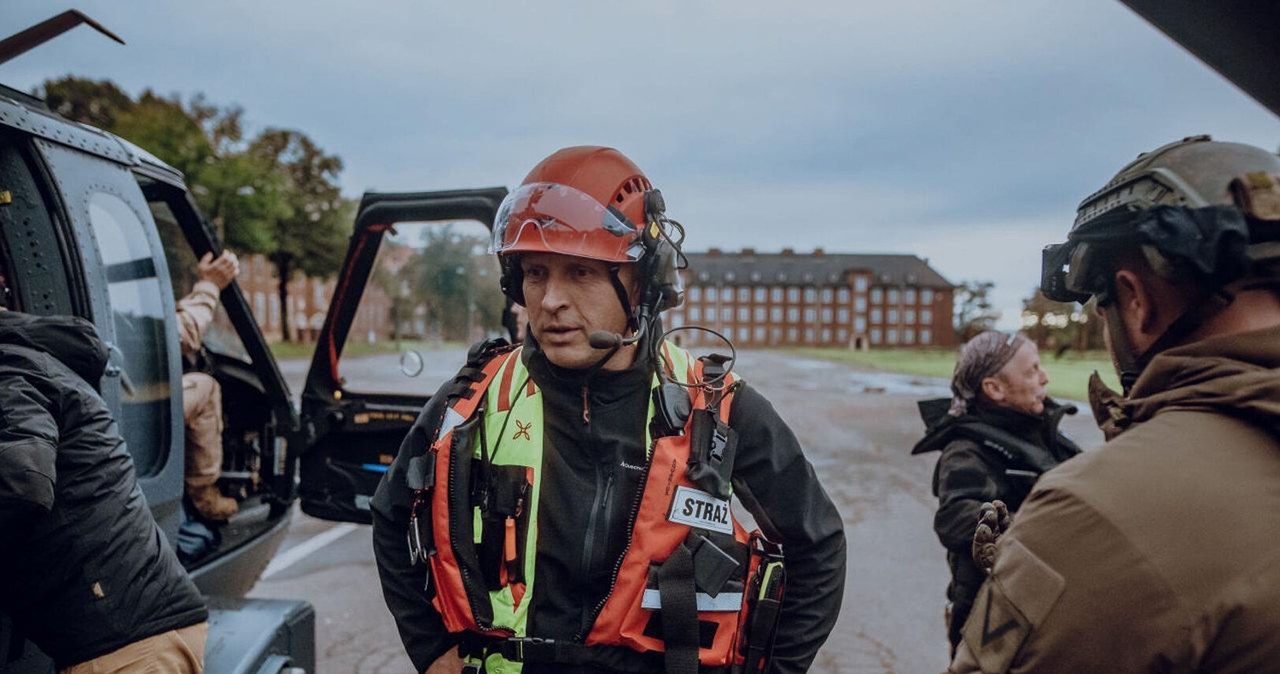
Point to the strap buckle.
(528, 649)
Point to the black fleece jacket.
(592, 467)
(84, 570)
(970, 473)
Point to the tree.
(973, 309)
(240, 196)
(1059, 326)
(89, 101)
(310, 231)
(455, 280)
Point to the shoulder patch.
(1011, 604)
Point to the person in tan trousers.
(201, 395)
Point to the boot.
(211, 503)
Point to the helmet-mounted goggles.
(1212, 241)
(554, 218)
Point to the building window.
(875, 315)
(877, 296)
(712, 295)
(893, 316)
(826, 314)
(909, 336)
(760, 314)
(842, 295)
(891, 336)
(260, 307)
(926, 316)
(695, 293)
(860, 284)
(810, 295)
(744, 314)
(729, 276)
(275, 310)
(860, 304)
(910, 296)
(317, 294)
(776, 294)
(695, 314)
(826, 335)
(775, 335)
(842, 316)
(926, 336)
(791, 335)
(726, 314)
(826, 295)
(677, 321)
(760, 293)
(842, 336)
(808, 335)
(893, 296)
(759, 334)
(909, 316)
(810, 315)
(775, 314)
(926, 296)
(793, 314)
(875, 335)
(793, 294)
(744, 294)
(859, 325)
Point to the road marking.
(300, 551)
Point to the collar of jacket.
(1237, 374)
(605, 385)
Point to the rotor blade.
(20, 43)
(1237, 38)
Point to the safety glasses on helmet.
(554, 218)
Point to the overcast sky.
(964, 132)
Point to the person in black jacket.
(595, 406)
(86, 574)
(998, 434)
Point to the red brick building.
(815, 299)
(310, 299)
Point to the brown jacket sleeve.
(195, 313)
(1069, 593)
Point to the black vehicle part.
(253, 636)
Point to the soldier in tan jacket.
(1159, 552)
(201, 395)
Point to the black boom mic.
(603, 339)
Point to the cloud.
(965, 132)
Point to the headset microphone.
(604, 340)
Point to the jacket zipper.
(617, 565)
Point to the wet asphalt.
(857, 428)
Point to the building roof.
(818, 268)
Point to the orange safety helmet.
(584, 201)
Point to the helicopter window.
(138, 316)
(434, 290)
(221, 336)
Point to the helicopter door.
(416, 289)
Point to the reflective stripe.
(451, 419)
(723, 602)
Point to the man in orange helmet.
(566, 502)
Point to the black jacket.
(987, 454)
(591, 479)
(85, 570)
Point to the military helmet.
(1198, 206)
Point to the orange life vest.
(686, 548)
